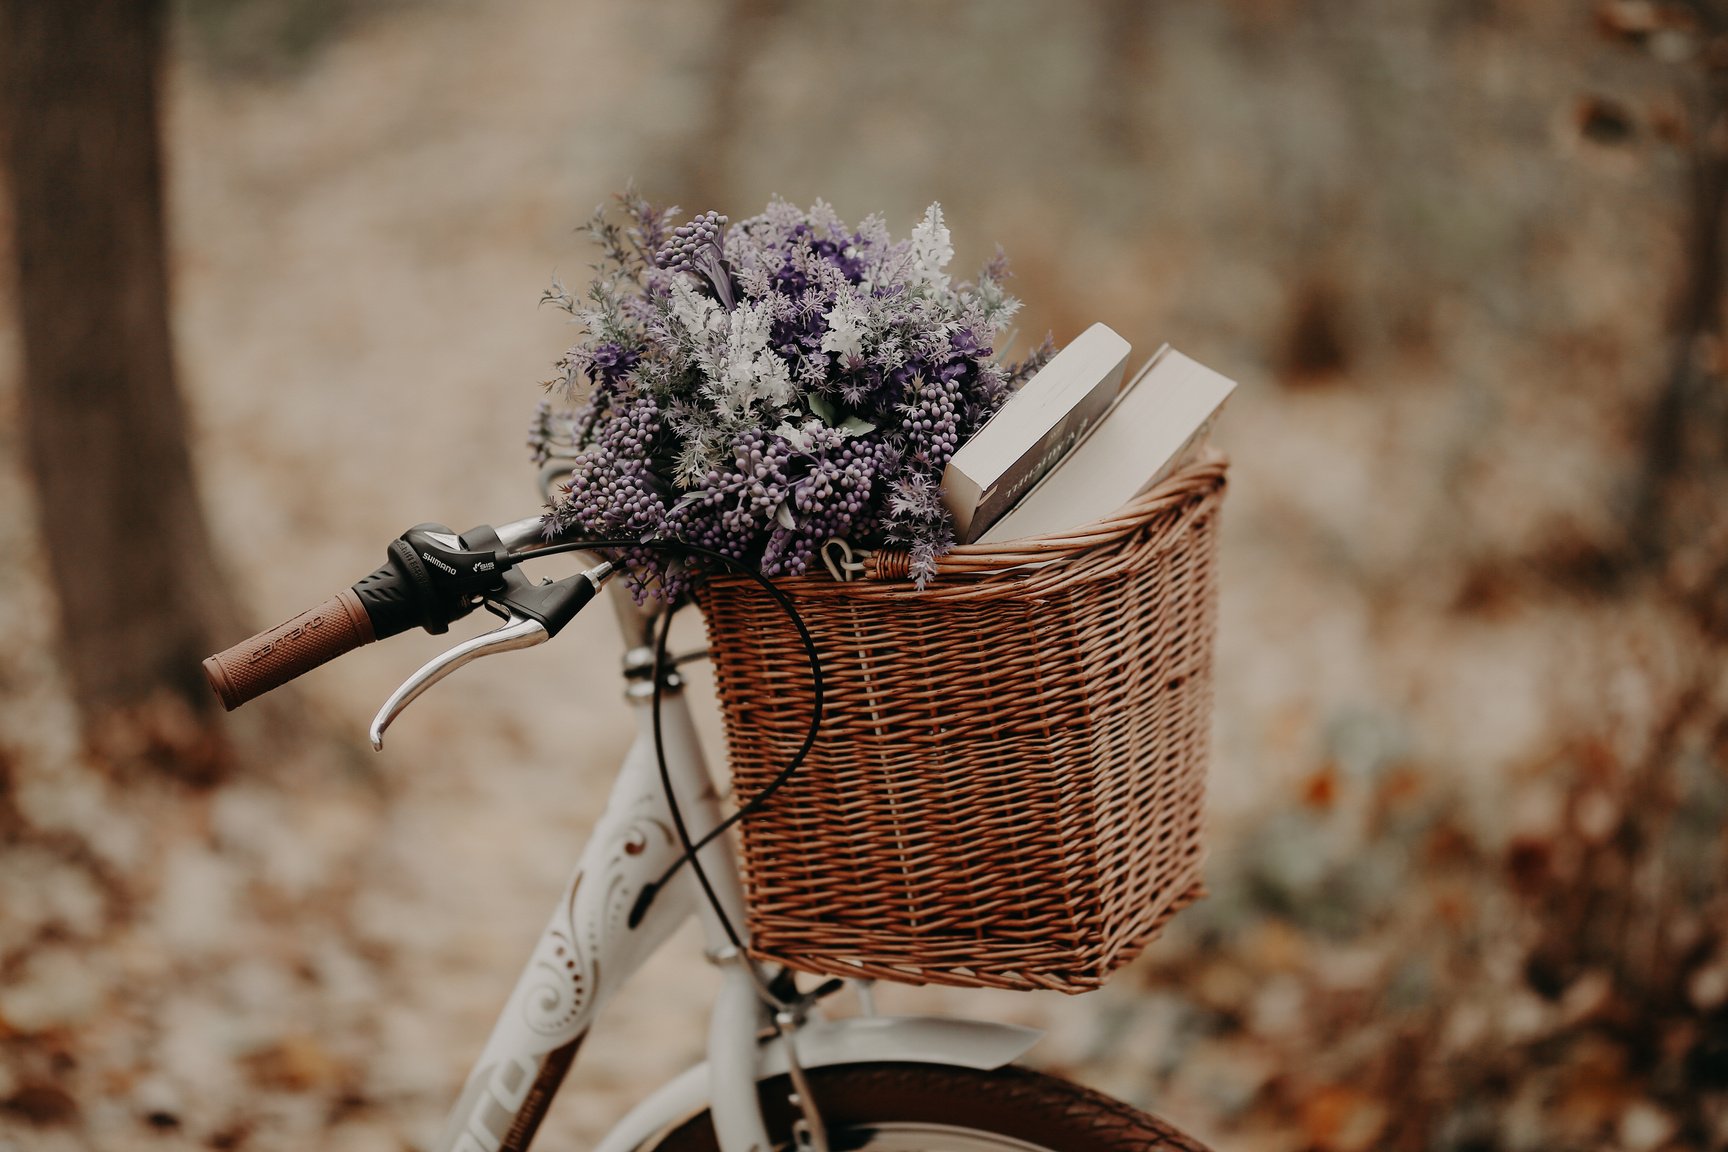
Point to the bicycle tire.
(867, 1107)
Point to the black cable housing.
(691, 847)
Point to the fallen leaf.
(1343, 1119)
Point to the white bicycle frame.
(589, 950)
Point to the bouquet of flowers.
(760, 388)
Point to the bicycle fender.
(855, 1040)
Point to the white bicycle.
(780, 1074)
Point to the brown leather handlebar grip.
(274, 657)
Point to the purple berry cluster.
(758, 389)
(699, 249)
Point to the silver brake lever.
(519, 631)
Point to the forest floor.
(1469, 788)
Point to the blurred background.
(1468, 866)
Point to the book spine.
(1190, 448)
(995, 502)
(962, 494)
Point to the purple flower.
(965, 342)
(611, 361)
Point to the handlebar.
(277, 655)
(431, 577)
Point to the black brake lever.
(477, 568)
(554, 603)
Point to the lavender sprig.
(699, 249)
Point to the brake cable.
(691, 847)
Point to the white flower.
(747, 371)
(848, 323)
(695, 313)
(798, 437)
(931, 250)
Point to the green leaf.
(824, 408)
(857, 426)
(784, 515)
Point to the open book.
(1156, 423)
(1034, 429)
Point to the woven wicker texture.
(1007, 788)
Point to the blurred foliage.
(1381, 967)
(1469, 859)
(266, 39)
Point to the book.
(1033, 430)
(1157, 422)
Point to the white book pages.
(1031, 433)
(1159, 420)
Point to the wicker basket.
(1007, 789)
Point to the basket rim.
(1027, 564)
(1200, 473)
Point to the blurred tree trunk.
(701, 177)
(1678, 511)
(1123, 64)
(1680, 431)
(140, 601)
